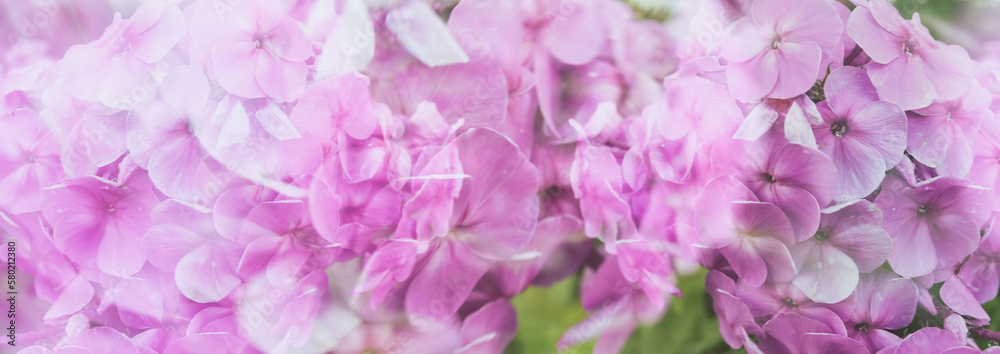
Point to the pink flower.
(29, 161)
(942, 135)
(908, 67)
(117, 69)
(793, 177)
(776, 50)
(751, 235)
(184, 240)
(862, 135)
(849, 241)
(883, 302)
(934, 225)
(163, 138)
(256, 51)
(98, 223)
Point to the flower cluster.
(345, 176)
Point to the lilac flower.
(776, 50)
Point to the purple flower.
(883, 302)
(942, 134)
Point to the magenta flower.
(941, 135)
(254, 49)
(863, 136)
(908, 67)
(29, 161)
(793, 177)
(931, 340)
(776, 50)
(98, 223)
(849, 241)
(751, 235)
(934, 225)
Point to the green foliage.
(690, 325)
(544, 314)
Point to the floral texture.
(362, 176)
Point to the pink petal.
(491, 328)
(860, 169)
(577, 36)
(753, 79)
(881, 125)
(287, 41)
(499, 204)
(120, 252)
(165, 244)
(826, 274)
(957, 297)
(236, 68)
(153, 44)
(848, 89)
(77, 294)
(868, 245)
(894, 304)
(207, 342)
(798, 65)
(881, 45)
(950, 70)
(139, 304)
(207, 274)
(903, 82)
(104, 340)
(279, 78)
(422, 32)
(745, 41)
(762, 219)
(445, 282)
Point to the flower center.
(257, 42)
(112, 209)
(922, 210)
(861, 327)
(839, 129)
(821, 236)
(790, 303)
(769, 178)
(776, 44)
(909, 47)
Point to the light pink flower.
(776, 50)
(908, 66)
